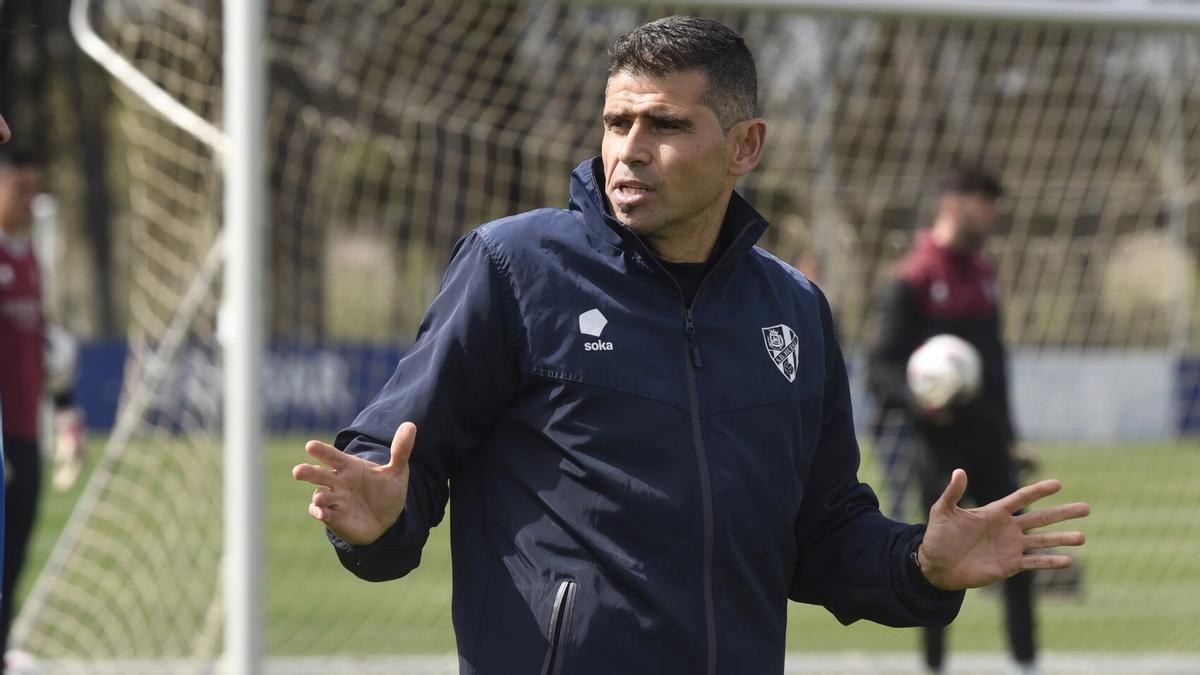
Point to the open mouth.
(630, 193)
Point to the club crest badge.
(781, 345)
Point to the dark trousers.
(990, 476)
(23, 487)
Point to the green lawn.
(1141, 566)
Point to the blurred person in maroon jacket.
(946, 285)
(23, 371)
(21, 368)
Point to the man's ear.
(746, 141)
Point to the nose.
(5, 134)
(635, 147)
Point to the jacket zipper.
(689, 330)
(560, 618)
(693, 361)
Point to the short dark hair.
(20, 157)
(970, 180)
(681, 43)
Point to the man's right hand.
(356, 499)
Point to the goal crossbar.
(1123, 13)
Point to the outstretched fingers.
(332, 461)
(1030, 494)
(327, 454)
(1052, 539)
(1044, 561)
(317, 475)
(1054, 514)
(322, 505)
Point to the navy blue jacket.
(638, 486)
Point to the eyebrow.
(659, 119)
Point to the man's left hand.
(968, 548)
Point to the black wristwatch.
(914, 561)
(914, 568)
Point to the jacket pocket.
(556, 633)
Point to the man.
(21, 374)
(946, 285)
(643, 420)
(22, 368)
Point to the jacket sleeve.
(453, 384)
(900, 332)
(850, 558)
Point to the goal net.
(395, 127)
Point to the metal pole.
(242, 332)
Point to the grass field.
(1141, 567)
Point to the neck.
(697, 247)
(691, 242)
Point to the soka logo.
(781, 347)
(592, 322)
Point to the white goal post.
(242, 338)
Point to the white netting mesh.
(397, 126)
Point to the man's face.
(5, 134)
(976, 218)
(18, 186)
(666, 160)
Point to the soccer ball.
(944, 371)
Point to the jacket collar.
(742, 228)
